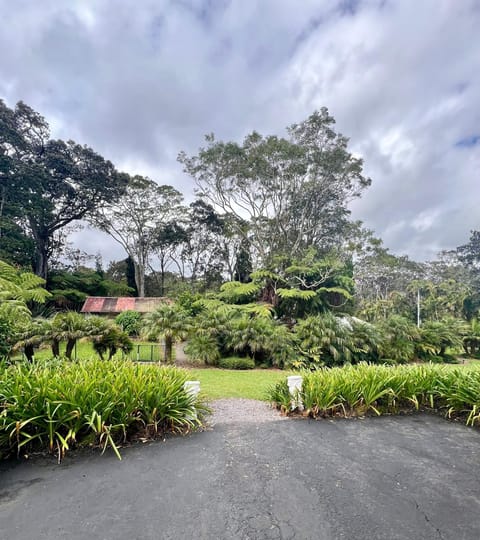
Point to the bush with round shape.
(130, 322)
(235, 362)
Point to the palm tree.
(70, 327)
(110, 340)
(17, 290)
(437, 336)
(203, 347)
(471, 339)
(325, 339)
(401, 338)
(250, 335)
(170, 323)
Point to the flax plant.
(57, 405)
(364, 388)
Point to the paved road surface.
(381, 478)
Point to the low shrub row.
(58, 405)
(236, 362)
(362, 389)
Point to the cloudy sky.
(140, 80)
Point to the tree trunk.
(55, 348)
(29, 352)
(70, 347)
(168, 350)
(42, 239)
(162, 277)
(41, 258)
(140, 279)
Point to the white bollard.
(192, 387)
(295, 387)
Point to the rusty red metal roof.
(105, 304)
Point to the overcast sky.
(141, 80)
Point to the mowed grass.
(226, 383)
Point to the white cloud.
(138, 84)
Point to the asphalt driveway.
(381, 478)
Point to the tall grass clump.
(373, 389)
(58, 405)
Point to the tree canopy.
(134, 220)
(47, 184)
(267, 247)
(292, 192)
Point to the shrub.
(367, 340)
(401, 337)
(437, 336)
(203, 347)
(326, 340)
(229, 330)
(234, 362)
(357, 390)
(252, 336)
(56, 405)
(283, 350)
(130, 322)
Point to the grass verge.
(224, 383)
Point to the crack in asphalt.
(253, 498)
(427, 519)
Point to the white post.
(295, 387)
(192, 387)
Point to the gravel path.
(242, 411)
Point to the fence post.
(192, 388)
(295, 387)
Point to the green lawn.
(226, 383)
(467, 363)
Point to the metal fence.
(151, 352)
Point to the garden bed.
(57, 405)
(357, 391)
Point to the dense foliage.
(265, 264)
(235, 362)
(130, 322)
(60, 405)
(358, 390)
(47, 184)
